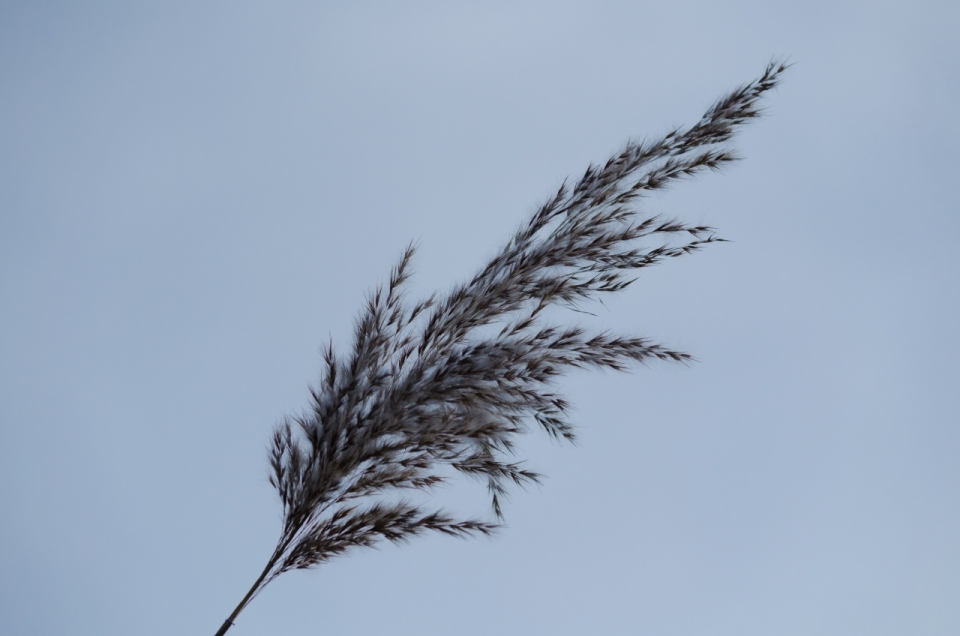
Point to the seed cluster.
(427, 387)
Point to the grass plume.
(427, 387)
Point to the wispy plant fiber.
(427, 387)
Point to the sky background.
(194, 196)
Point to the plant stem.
(227, 624)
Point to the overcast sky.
(194, 196)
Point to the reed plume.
(446, 385)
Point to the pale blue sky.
(195, 195)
